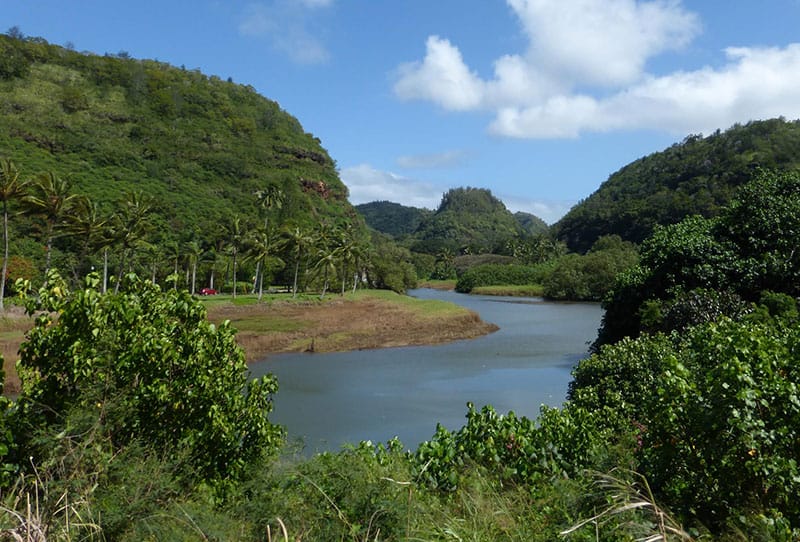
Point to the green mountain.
(468, 220)
(198, 145)
(531, 223)
(697, 176)
(392, 218)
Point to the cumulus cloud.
(286, 23)
(367, 184)
(432, 160)
(442, 78)
(585, 70)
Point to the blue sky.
(537, 100)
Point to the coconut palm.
(260, 250)
(194, 252)
(268, 199)
(235, 238)
(300, 241)
(90, 227)
(11, 188)
(130, 227)
(50, 198)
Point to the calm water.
(330, 399)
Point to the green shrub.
(151, 368)
(500, 274)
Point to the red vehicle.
(208, 291)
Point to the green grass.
(525, 290)
(420, 307)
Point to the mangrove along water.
(327, 400)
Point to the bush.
(500, 274)
(151, 368)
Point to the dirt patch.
(342, 325)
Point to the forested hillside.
(191, 150)
(468, 220)
(697, 176)
(392, 218)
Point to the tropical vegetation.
(137, 418)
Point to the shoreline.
(368, 319)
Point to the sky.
(537, 100)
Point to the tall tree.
(193, 251)
(270, 198)
(50, 198)
(235, 238)
(90, 227)
(260, 249)
(11, 188)
(131, 226)
(300, 241)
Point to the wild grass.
(526, 290)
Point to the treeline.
(68, 231)
(697, 176)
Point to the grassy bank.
(526, 290)
(360, 320)
(280, 323)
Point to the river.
(327, 400)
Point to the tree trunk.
(105, 269)
(5, 257)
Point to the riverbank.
(364, 320)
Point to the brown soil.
(342, 325)
(334, 326)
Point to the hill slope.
(468, 220)
(200, 146)
(392, 218)
(697, 176)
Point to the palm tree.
(260, 250)
(234, 244)
(193, 251)
(268, 199)
(300, 241)
(130, 227)
(89, 225)
(50, 198)
(11, 188)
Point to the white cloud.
(286, 24)
(604, 42)
(442, 78)
(367, 184)
(548, 210)
(433, 160)
(585, 70)
(756, 83)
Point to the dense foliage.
(717, 410)
(141, 366)
(505, 274)
(698, 176)
(700, 268)
(392, 218)
(156, 165)
(468, 220)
